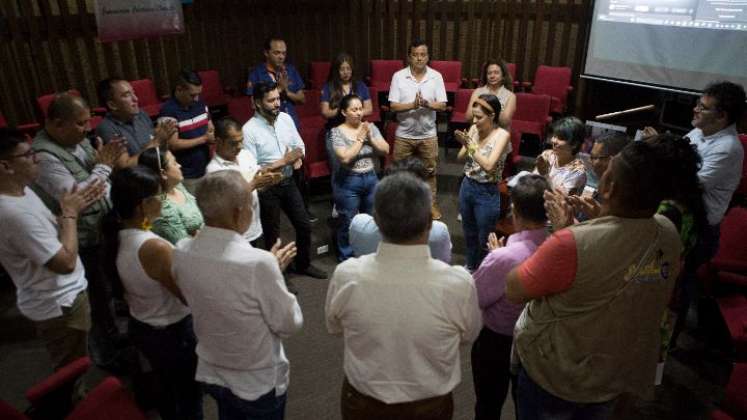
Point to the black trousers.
(102, 344)
(491, 359)
(171, 353)
(285, 196)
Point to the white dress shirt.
(241, 310)
(403, 316)
(417, 123)
(247, 166)
(269, 142)
(722, 155)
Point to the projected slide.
(707, 14)
(681, 44)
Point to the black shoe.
(312, 271)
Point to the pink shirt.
(498, 313)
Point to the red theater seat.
(532, 114)
(382, 72)
(213, 92)
(147, 96)
(461, 101)
(451, 72)
(108, 401)
(554, 82)
(318, 74)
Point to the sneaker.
(313, 272)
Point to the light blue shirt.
(722, 155)
(365, 237)
(269, 142)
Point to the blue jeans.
(534, 403)
(353, 193)
(480, 207)
(231, 407)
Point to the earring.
(146, 225)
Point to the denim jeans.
(231, 407)
(534, 403)
(353, 193)
(480, 207)
(171, 352)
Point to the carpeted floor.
(693, 379)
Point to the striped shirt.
(192, 122)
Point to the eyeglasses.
(700, 107)
(598, 157)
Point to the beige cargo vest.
(601, 337)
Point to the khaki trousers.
(66, 336)
(426, 150)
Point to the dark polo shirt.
(137, 132)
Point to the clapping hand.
(165, 129)
(462, 137)
(495, 243)
(263, 179)
(558, 208)
(586, 205)
(543, 167)
(76, 200)
(108, 154)
(285, 254)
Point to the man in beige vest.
(597, 292)
(68, 160)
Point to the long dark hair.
(130, 186)
(345, 103)
(333, 79)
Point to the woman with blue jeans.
(354, 142)
(484, 149)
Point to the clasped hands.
(420, 102)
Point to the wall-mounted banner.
(119, 20)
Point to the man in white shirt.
(231, 155)
(40, 252)
(240, 305)
(415, 94)
(272, 138)
(403, 314)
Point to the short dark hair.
(494, 103)
(402, 207)
(263, 88)
(188, 77)
(410, 164)
(528, 197)
(570, 129)
(10, 138)
(152, 158)
(64, 106)
(105, 88)
(613, 142)
(268, 41)
(416, 42)
(223, 125)
(730, 98)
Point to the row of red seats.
(51, 398)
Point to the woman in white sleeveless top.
(495, 79)
(160, 322)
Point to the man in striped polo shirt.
(191, 145)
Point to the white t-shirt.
(247, 165)
(417, 123)
(29, 240)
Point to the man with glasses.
(415, 94)
(40, 251)
(715, 116)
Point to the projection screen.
(678, 44)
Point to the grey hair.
(220, 193)
(402, 207)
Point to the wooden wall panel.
(51, 45)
